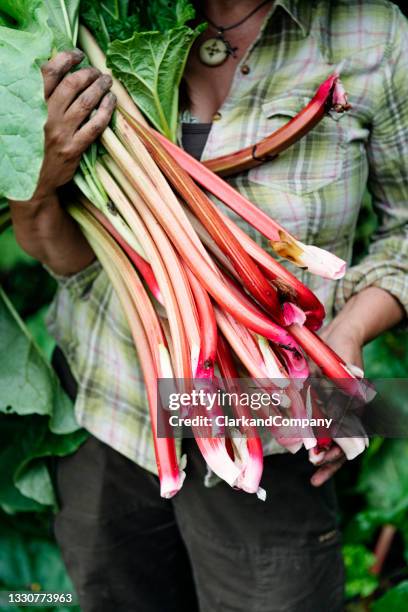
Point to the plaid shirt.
(314, 189)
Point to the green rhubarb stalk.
(168, 255)
(115, 265)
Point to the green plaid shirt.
(314, 189)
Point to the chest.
(209, 86)
(316, 186)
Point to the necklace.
(216, 50)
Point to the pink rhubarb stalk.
(182, 366)
(141, 265)
(250, 449)
(213, 449)
(208, 329)
(198, 264)
(113, 261)
(168, 255)
(251, 276)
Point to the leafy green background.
(36, 421)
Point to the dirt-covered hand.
(72, 125)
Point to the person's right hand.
(70, 130)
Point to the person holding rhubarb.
(252, 70)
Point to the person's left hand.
(345, 341)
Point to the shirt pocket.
(311, 163)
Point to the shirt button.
(217, 116)
(245, 69)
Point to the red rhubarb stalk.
(284, 137)
(213, 449)
(289, 286)
(198, 264)
(294, 360)
(328, 361)
(316, 260)
(251, 276)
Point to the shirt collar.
(299, 10)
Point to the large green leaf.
(28, 384)
(164, 15)
(11, 456)
(384, 479)
(31, 476)
(395, 600)
(150, 65)
(25, 443)
(63, 19)
(22, 108)
(32, 562)
(110, 20)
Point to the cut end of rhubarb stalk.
(340, 103)
(309, 443)
(360, 386)
(249, 457)
(352, 447)
(170, 485)
(261, 494)
(218, 460)
(316, 456)
(312, 258)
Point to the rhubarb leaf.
(150, 65)
(384, 479)
(164, 15)
(109, 20)
(23, 111)
(63, 19)
(30, 560)
(28, 384)
(395, 600)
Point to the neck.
(222, 12)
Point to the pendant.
(213, 52)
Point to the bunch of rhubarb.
(203, 299)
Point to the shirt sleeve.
(386, 264)
(70, 305)
(78, 285)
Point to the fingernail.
(107, 79)
(78, 54)
(109, 99)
